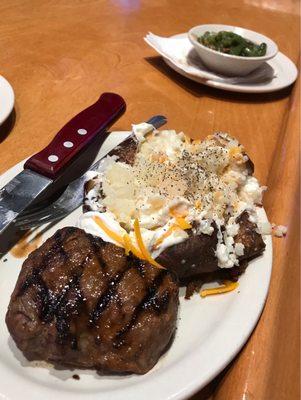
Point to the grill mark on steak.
(57, 306)
(108, 295)
(33, 277)
(140, 266)
(63, 310)
(60, 246)
(30, 280)
(94, 244)
(149, 300)
(159, 304)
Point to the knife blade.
(44, 168)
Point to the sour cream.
(89, 225)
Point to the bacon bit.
(175, 211)
(234, 151)
(145, 253)
(154, 157)
(187, 140)
(162, 158)
(218, 196)
(159, 157)
(237, 154)
(198, 204)
(227, 286)
(113, 235)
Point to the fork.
(71, 198)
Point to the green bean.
(231, 43)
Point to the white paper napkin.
(180, 52)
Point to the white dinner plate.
(285, 74)
(7, 99)
(210, 332)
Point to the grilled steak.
(81, 302)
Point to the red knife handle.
(76, 134)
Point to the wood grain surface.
(60, 55)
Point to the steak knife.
(44, 168)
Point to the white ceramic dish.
(7, 99)
(285, 74)
(210, 333)
(228, 64)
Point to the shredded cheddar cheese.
(127, 243)
(227, 286)
(177, 212)
(124, 241)
(165, 235)
(133, 248)
(182, 223)
(145, 253)
(113, 235)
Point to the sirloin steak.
(81, 302)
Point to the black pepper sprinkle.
(196, 173)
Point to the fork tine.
(50, 213)
(31, 211)
(28, 224)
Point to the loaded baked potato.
(185, 205)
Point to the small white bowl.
(227, 64)
(7, 99)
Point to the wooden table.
(60, 55)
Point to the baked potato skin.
(249, 165)
(248, 235)
(195, 257)
(126, 151)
